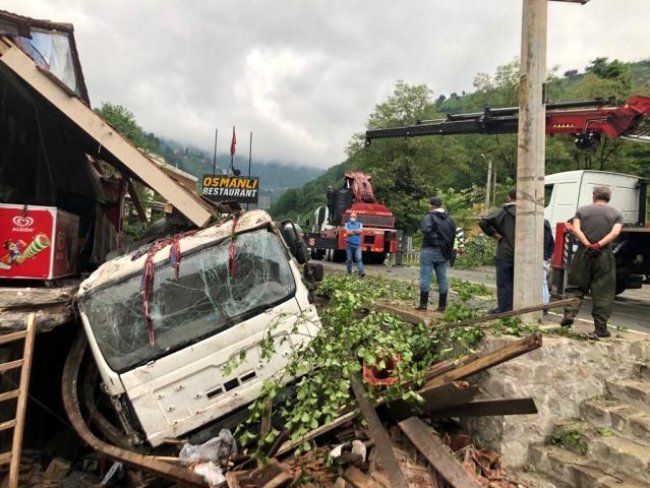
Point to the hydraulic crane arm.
(585, 119)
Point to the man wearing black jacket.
(500, 225)
(438, 238)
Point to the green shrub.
(478, 251)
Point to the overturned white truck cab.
(211, 295)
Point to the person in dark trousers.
(438, 238)
(500, 225)
(593, 268)
(549, 246)
(353, 230)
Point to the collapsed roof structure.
(56, 151)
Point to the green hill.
(407, 171)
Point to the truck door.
(561, 200)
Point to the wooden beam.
(437, 398)
(94, 126)
(379, 435)
(406, 315)
(142, 215)
(438, 454)
(359, 479)
(481, 408)
(317, 432)
(506, 353)
(513, 313)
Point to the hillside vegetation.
(405, 172)
(275, 177)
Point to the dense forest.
(405, 172)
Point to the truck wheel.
(622, 276)
(338, 256)
(374, 257)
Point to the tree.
(123, 121)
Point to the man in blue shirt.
(353, 230)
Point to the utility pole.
(494, 187)
(531, 145)
(250, 156)
(530, 157)
(214, 156)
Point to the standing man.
(549, 246)
(500, 225)
(353, 244)
(593, 268)
(438, 237)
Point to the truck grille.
(386, 221)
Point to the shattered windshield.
(203, 301)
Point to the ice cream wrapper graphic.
(40, 242)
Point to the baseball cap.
(435, 201)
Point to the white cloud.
(303, 76)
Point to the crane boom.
(585, 119)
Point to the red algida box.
(37, 242)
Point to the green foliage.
(467, 290)
(347, 338)
(478, 251)
(123, 120)
(570, 436)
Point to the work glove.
(593, 250)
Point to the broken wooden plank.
(317, 432)
(111, 145)
(135, 199)
(378, 435)
(437, 453)
(445, 373)
(406, 315)
(447, 365)
(512, 313)
(501, 355)
(481, 408)
(437, 398)
(359, 479)
(273, 475)
(20, 297)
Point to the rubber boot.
(442, 302)
(424, 300)
(601, 331)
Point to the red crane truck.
(328, 238)
(586, 121)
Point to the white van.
(566, 192)
(211, 312)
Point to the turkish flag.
(233, 143)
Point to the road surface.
(631, 308)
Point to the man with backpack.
(438, 237)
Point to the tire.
(374, 257)
(338, 256)
(621, 280)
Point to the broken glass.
(203, 301)
(52, 50)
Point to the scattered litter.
(218, 449)
(211, 472)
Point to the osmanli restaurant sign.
(228, 188)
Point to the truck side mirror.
(292, 234)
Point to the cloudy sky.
(303, 75)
